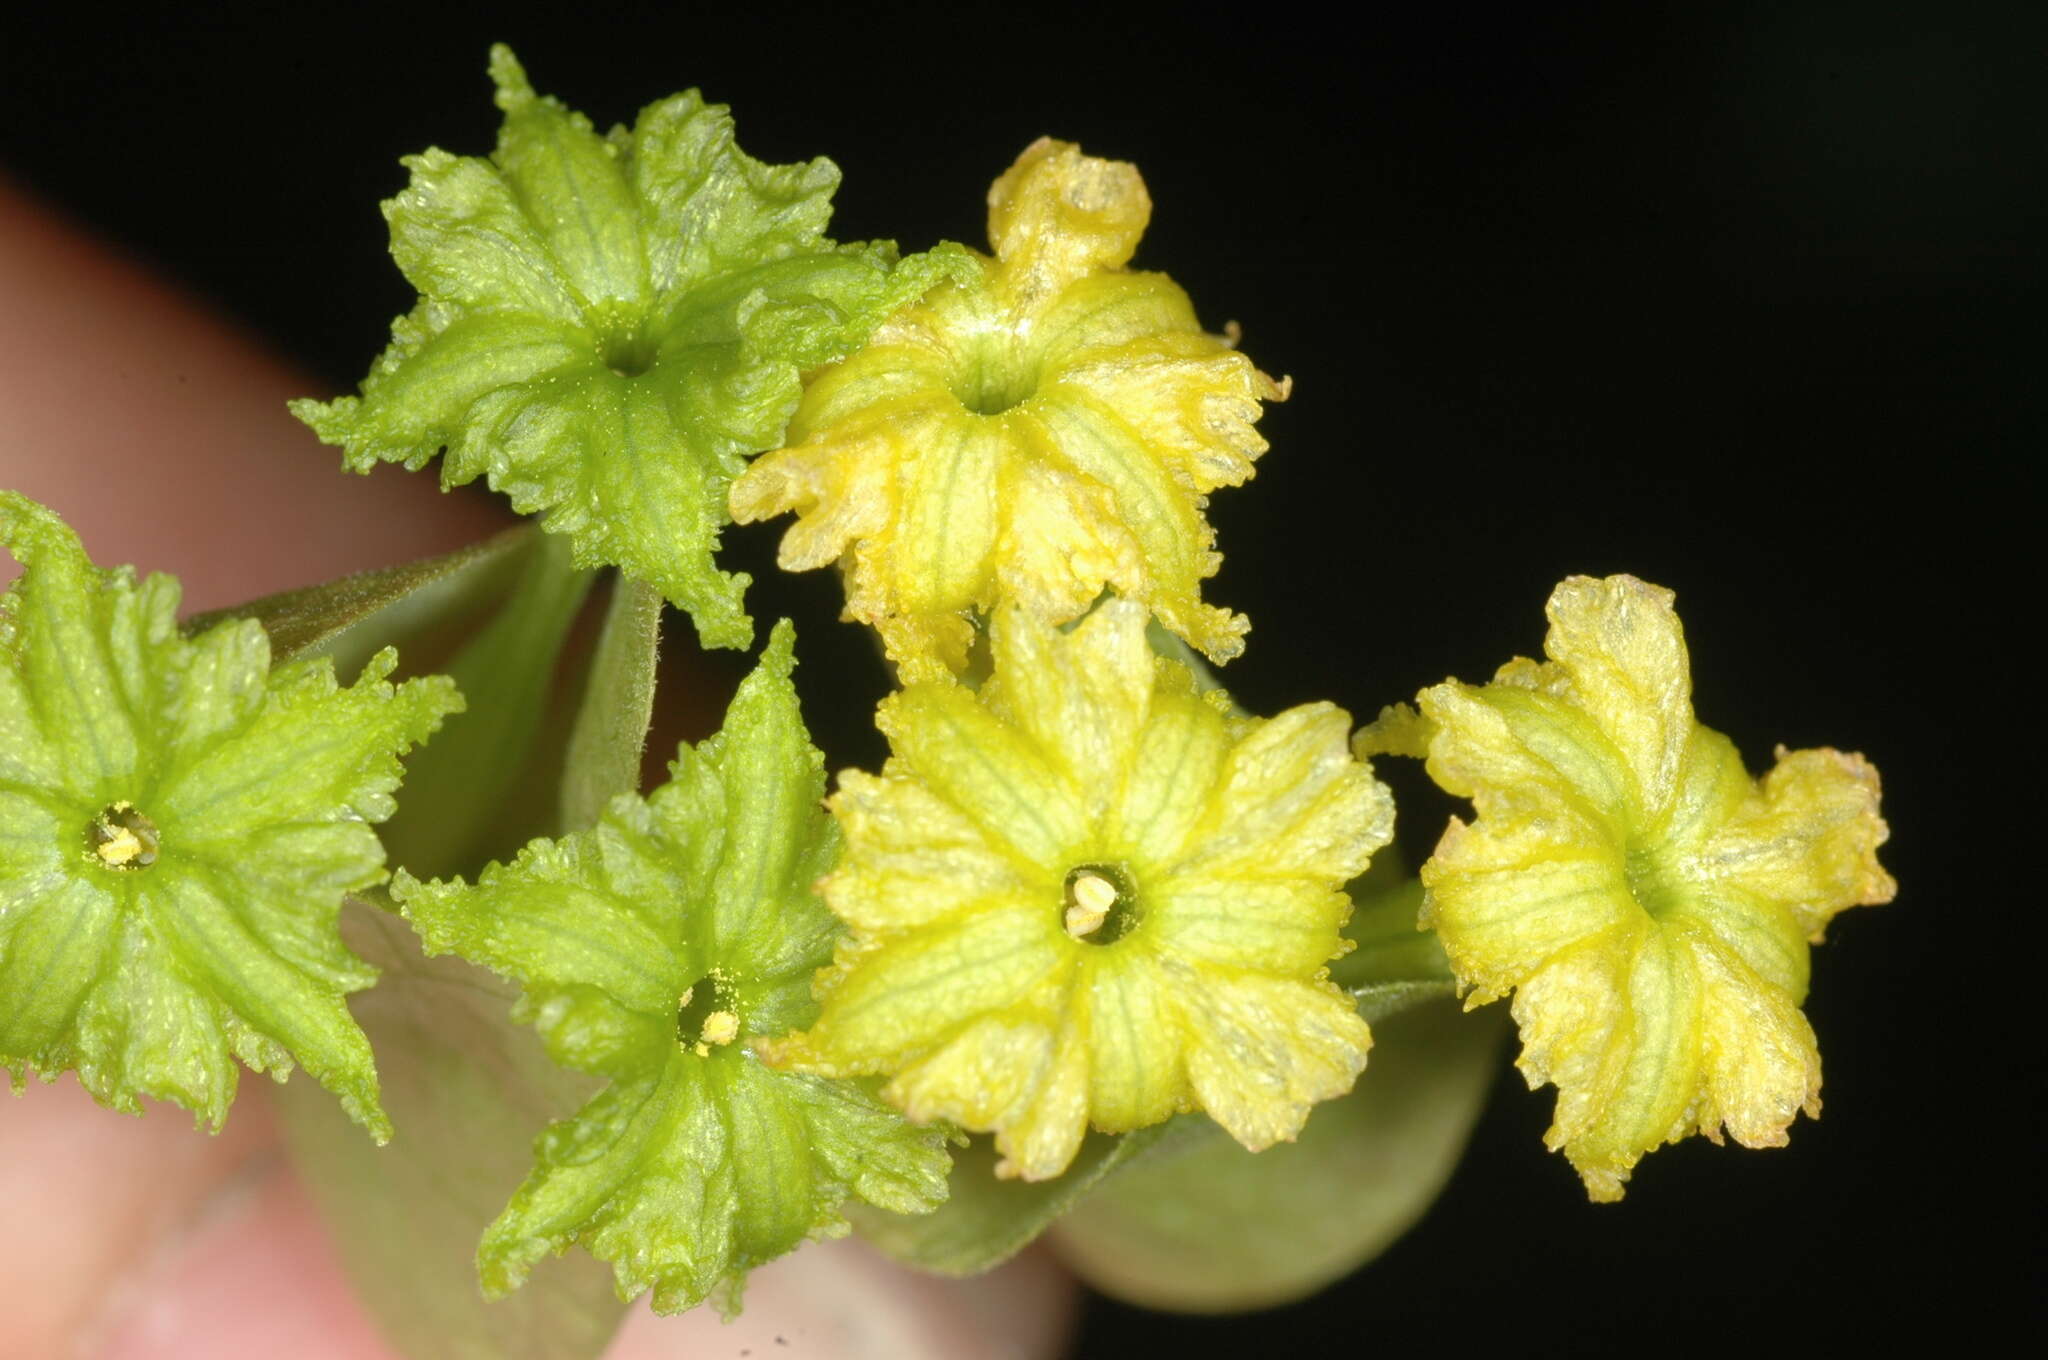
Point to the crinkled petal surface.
(181, 823)
(1646, 901)
(655, 949)
(1190, 970)
(609, 325)
(1048, 426)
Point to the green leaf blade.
(617, 707)
(466, 1088)
(1207, 1227)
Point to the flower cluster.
(1085, 892)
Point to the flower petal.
(1810, 842)
(989, 770)
(899, 997)
(912, 857)
(1291, 799)
(1619, 641)
(1081, 696)
(1264, 1050)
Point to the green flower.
(1085, 895)
(1648, 902)
(609, 325)
(654, 949)
(179, 823)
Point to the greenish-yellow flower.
(1047, 426)
(1087, 896)
(1647, 901)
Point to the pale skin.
(160, 433)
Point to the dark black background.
(1737, 299)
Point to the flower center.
(993, 377)
(1100, 907)
(1650, 881)
(707, 1014)
(621, 339)
(629, 355)
(122, 838)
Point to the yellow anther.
(1090, 898)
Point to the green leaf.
(610, 325)
(182, 823)
(466, 1087)
(1392, 947)
(352, 618)
(1204, 1226)
(985, 1221)
(617, 705)
(459, 811)
(652, 949)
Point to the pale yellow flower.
(1047, 426)
(1087, 896)
(1648, 903)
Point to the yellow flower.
(1085, 895)
(1648, 902)
(1047, 427)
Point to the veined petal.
(1291, 799)
(989, 770)
(314, 745)
(417, 400)
(949, 476)
(1191, 402)
(1525, 754)
(903, 994)
(1081, 696)
(981, 1077)
(1809, 841)
(1284, 926)
(458, 233)
(1170, 779)
(1057, 215)
(551, 157)
(1761, 1064)
(1615, 1023)
(913, 857)
(1620, 643)
(1505, 901)
(1266, 1049)
(1139, 1074)
(1039, 1142)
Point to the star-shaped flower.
(179, 823)
(1085, 895)
(609, 325)
(655, 949)
(1049, 426)
(1648, 902)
